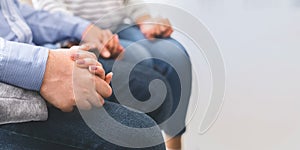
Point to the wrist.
(86, 30)
(48, 69)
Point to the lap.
(69, 131)
(134, 34)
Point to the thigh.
(167, 49)
(133, 54)
(134, 34)
(132, 84)
(131, 33)
(69, 131)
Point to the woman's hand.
(155, 27)
(87, 61)
(105, 41)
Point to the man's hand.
(155, 27)
(62, 79)
(107, 43)
(83, 60)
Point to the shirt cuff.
(23, 65)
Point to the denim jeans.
(69, 131)
(156, 69)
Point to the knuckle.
(66, 107)
(108, 92)
(94, 56)
(85, 91)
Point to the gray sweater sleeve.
(19, 105)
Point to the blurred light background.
(260, 43)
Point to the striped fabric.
(17, 23)
(107, 14)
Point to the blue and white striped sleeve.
(53, 27)
(22, 65)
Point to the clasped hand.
(75, 78)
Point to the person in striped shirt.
(112, 15)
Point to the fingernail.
(80, 62)
(93, 68)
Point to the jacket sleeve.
(19, 105)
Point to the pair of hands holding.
(108, 43)
(75, 78)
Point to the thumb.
(108, 77)
(105, 53)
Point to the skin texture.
(61, 76)
(174, 143)
(154, 27)
(107, 43)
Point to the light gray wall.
(259, 40)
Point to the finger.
(103, 37)
(107, 35)
(157, 31)
(117, 49)
(75, 48)
(78, 54)
(96, 100)
(103, 88)
(120, 47)
(86, 62)
(112, 46)
(88, 46)
(168, 33)
(85, 46)
(69, 109)
(67, 106)
(101, 99)
(147, 30)
(105, 53)
(163, 28)
(83, 104)
(169, 30)
(150, 34)
(97, 70)
(108, 77)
